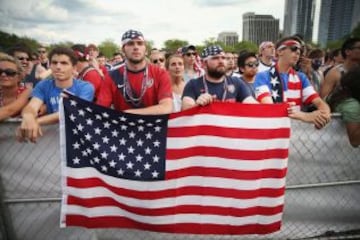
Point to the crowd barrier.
(321, 202)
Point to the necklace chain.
(225, 87)
(128, 91)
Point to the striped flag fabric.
(218, 169)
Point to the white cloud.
(85, 21)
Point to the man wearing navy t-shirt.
(215, 85)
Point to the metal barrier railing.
(322, 193)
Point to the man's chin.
(135, 61)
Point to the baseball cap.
(185, 49)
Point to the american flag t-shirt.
(218, 169)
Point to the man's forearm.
(48, 119)
(161, 108)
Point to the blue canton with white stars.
(115, 143)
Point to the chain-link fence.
(321, 202)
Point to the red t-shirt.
(95, 79)
(158, 88)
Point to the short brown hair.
(64, 51)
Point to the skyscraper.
(228, 38)
(259, 28)
(337, 18)
(299, 18)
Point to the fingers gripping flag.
(218, 169)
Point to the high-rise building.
(259, 28)
(299, 18)
(228, 38)
(337, 19)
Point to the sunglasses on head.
(155, 61)
(252, 64)
(8, 72)
(190, 53)
(23, 58)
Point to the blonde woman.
(175, 67)
(13, 95)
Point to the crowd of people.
(141, 81)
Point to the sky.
(93, 21)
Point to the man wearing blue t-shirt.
(62, 65)
(215, 85)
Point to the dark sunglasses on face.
(8, 72)
(252, 64)
(190, 53)
(23, 58)
(294, 48)
(155, 61)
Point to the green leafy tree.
(334, 44)
(356, 31)
(212, 41)
(172, 45)
(108, 47)
(246, 45)
(149, 45)
(8, 41)
(62, 44)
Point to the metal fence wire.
(321, 202)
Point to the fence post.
(6, 228)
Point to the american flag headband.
(128, 91)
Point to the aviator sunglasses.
(8, 72)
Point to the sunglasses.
(155, 61)
(8, 72)
(252, 64)
(41, 51)
(294, 48)
(191, 53)
(23, 58)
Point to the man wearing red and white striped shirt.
(281, 83)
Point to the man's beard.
(135, 61)
(216, 73)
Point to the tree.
(108, 47)
(8, 41)
(334, 44)
(246, 45)
(172, 45)
(149, 45)
(67, 44)
(356, 31)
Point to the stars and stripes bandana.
(131, 35)
(211, 51)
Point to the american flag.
(218, 169)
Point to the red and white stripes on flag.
(226, 165)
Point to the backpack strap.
(85, 71)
